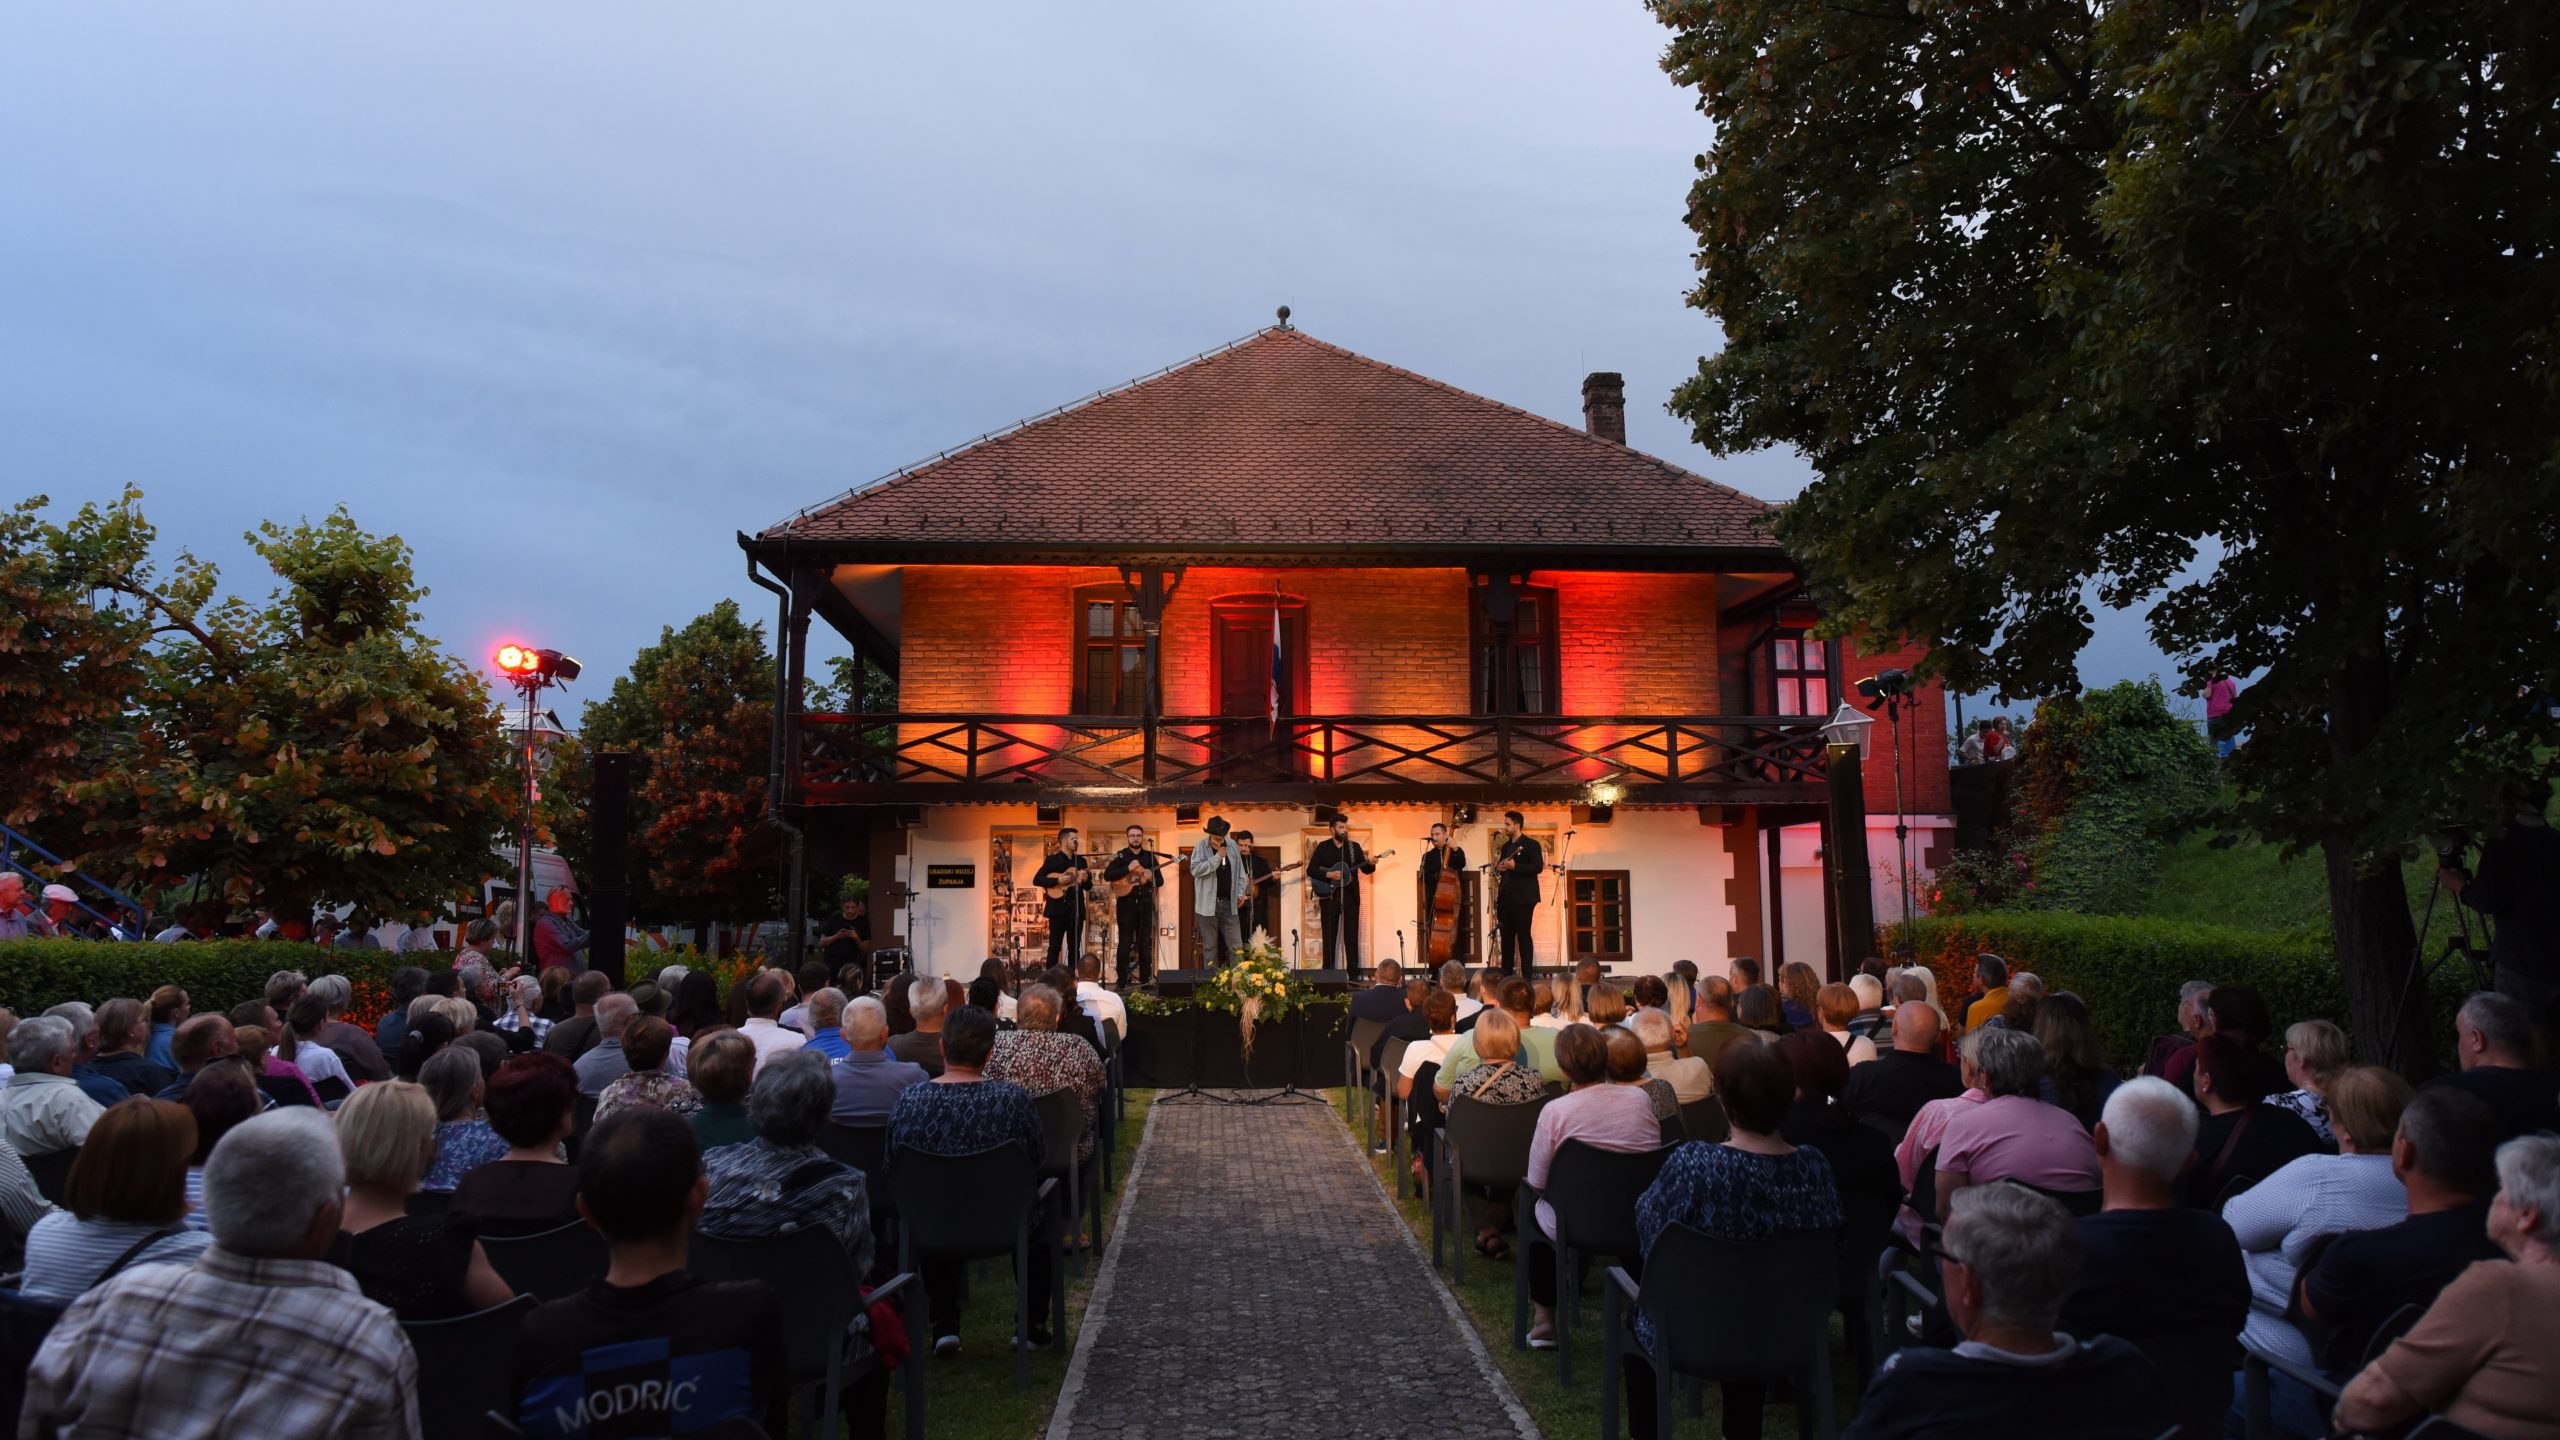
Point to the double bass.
(1444, 910)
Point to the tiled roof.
(1281, 440)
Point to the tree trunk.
(2377, 952)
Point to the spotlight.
(556, 665)
(1884, 685)
(512, 658)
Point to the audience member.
(659, 1350)
(84, 1048)
(1919, 983)
(1383, 1000)
(464, 1141)
(2446, 1157)
(2240, 1141)
(604, 1062)
(1680, 995)
(781, 1180)
(1758, 1010)
(2279, 1219)
(1648, 991)
(2494, 1044)
(1040, 1060)
(532, 1104)
(1991, 986)
(1834, 1006)
(313, 1061)
(2481, 1356)
(1534, 1045)
(1095, 999)
(124, 1032)
(425, 1267)
(1596, 1112)
(353, 1045)
(2012, 1135)
(823, 1013)
(124, 1204)
(1919, 1144)
(1714, 1027)
(407, 984)
(2165, 1050)
(2010, 1257)
(766, 995)
(2076, 1074)
(2152, 1268)
(559, 991)
(2238, 1014)
(521, 1022)
(1888, 1093)
(1754, 1186)
(1627, 1067)
(868, 1080)
(429, 1034)
(1499, 1074)
(807, 981)
(927, 1002)
(1861, 1161)
(42, 1109)
(1799, 996)
(576, 1033)
(1872, 1023)
(646, 1044)
(1742, 972)
(221, 1098)
(260, 1330)
(723, 1067)
(1687, 1076)
(1072, 1020)
(2314, 1052)
(961, 1112)
(169, 1010)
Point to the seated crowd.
(2094, 1245)
(237, 1210)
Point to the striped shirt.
(66, 1255)
(176, 1352)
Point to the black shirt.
(2526, 1102)
(133, 1072)
(2107, 1391)
(416, 1264)
(519, 1197)
(1519, 884)
(1431, 868)
(2362, 1278)
(2272, 1139)
(1895, 1084)
(1058, 863)
(1382, 1003)
(2148, 1273)
(2519, 882)
(1125, 860)
(1330, 853)
(851, 938)
(672, 1357)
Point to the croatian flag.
(1275, 666)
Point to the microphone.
(1569, 834)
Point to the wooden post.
(1844, 856)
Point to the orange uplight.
(511, 658)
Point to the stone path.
(1259, 1284)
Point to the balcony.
(919, 758)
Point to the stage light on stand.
(530, 671)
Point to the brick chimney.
(1604, 405)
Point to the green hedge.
(216, 974)
(2128, 969)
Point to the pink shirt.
(2015, 1137)
(1605, 1117)
(1919, 1140)
(2218, 697)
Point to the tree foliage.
(316, 749)
(69, 657)
(697, 710)
(2241, 311)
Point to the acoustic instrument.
(1268, 876)
(1364, 860)
(1057, 883)
(1444, 910)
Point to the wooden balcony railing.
(912, 757)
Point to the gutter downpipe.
(796, 901)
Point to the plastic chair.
(1119, 1069)
(1704, 1120)
(1593, 1193)
(25, 1321)
(51, 1171)
(1421, 1117)
(821, 1297)
(551, 1265)
(285, 1091)
(1062, 1117)
(1485, 1146)
(467, 1366)
(1689, 1279)
(2081, 1203)
(975, 1207)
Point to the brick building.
(1474, 609)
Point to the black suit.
(1431, 868)
(1065, 914)
(1382, 1003)
(1894, 1086)
(1339, 912)
(1136, 914)
(1515, 903)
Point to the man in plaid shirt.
(258, 1336)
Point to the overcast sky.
(567, 294)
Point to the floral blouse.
(2313, 1110)
(1506, 1082)
(649, 1087)
(1045, 1061)
(462, 1146)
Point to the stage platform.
(1204, 1047)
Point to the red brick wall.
(1635, 644)
(1924, 737)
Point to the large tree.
(696, 709)
(2243, 312)
(316, 749)
(69, 656)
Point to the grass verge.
(1572, 1412)
(971, 1396)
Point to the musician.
(1065, 910)
(1217, 876)
(1254, 911)
(1137, 865)
(1517, 861)
(848, 946)
(1442, 858)
(1336, 865)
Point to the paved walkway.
(1259, 1285)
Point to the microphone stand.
(1564, 904)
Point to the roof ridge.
(1547, 420)
(1006, 432)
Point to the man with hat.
(1217, 880)
(61, 903)
(18, 918)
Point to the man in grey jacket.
(1217, 882)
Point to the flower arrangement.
(1259, 986)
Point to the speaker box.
(608, 883)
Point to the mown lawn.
(971, 1396)
(1573, 1413)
